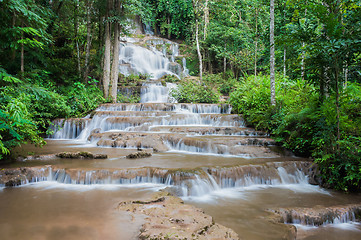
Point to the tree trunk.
(76, 36)
(337, 104)
(199, 53)
(22, 53)
(169, 29)
(284, 62)
(206, 19)
(88, 40)
(255, 51)
(303, 55)
(272, 54)
(303, 62)
(115, 63)
(346, 76)
(13, 52)
(106, 65)
(224, 65)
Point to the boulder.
(167, 217)
(81, 155)
(139, 154)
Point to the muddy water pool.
(53, 210)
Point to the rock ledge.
(167, 217)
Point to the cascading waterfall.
(123, 117)
(157, 93)
(198, 183)
(318, 217)
(135, 59)
(139, 60)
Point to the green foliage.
(223, 82)
(172, 17)
(189, 91)
(306, 126)
(83, 98)
(134, 98)
(170, 78)
(16, 123)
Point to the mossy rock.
(140, 154)
(81, 155)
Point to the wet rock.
(167, 217)
(14, 181)
(81, 155)
(314, 175)
(100, 156)
(140, 154)
(173, 191)
(12, 177)
(133, 140)
(318, 215)
(40, 157)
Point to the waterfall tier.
(195, 182)
(154, 57)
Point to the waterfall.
(193, 183)
(135, 59)
(157, 93)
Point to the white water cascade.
(157, 93)
(156, 60)
(188, 184)
(139, 60)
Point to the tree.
(272, 54)
(107, 45)
(197, 12)
(115, 63)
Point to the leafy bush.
(83, 98)
(17, 125)
(26, 109)
(306, 126)
(134, 98)
(194, 92)
(223, 82)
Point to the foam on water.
(46, 185)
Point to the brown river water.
(201, 151)
(53, 210)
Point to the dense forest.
(59, 59)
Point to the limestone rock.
(139, 154)
(81, 155)
(12, 177)
(318, 215)
(167, 217)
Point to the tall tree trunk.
(88, 40)
(76, 36)
(199, 53)
(22, 53)
(337, 104)
(284, 62)
(346, 75)
(169, 29)
(206, 19)
(224, 66)
(303, 62)
(210, 68)
(13, 52)
(303, 55)
(322, 84)
(272, 53)
(115, 63)
(106, 65)
(255, 51)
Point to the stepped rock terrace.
(201, 153)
